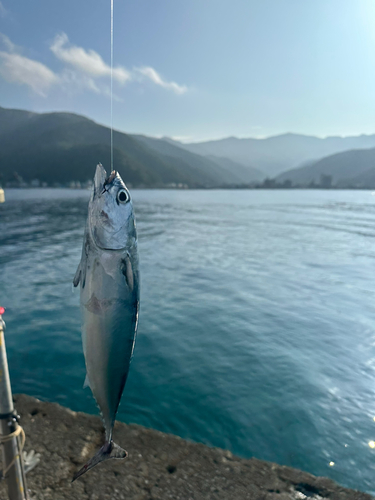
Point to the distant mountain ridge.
(277, 154)
(60, 147)
(246, 174)
(355, 168)
(223, 170)
(57, 148)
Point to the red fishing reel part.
(2, 310)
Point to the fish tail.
(107, 451)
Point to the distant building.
(269, 184)
(17, 181)
(287, 184)
(326, 181)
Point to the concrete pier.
(159, 467)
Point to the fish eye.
(122, 196)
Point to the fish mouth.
(110, 178)
(101, 181)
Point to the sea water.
(257, 321)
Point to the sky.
(195, 69)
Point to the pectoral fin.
(77, 276)
(86, 383)
(127, 271)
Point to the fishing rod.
(12, 436)
(16, 462)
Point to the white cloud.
(15, 68)
(71, 82)
(6, 43)
(87, 61)
(3, 11)
(91, 63)
(83, 70)
(154, 76)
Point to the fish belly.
(108, 348)
(109, 325)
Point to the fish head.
(111, 217)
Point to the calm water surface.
(257, 325)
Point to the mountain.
(60, 147)
(274, 155)
(10, 119)
(244, 174)
(365, 179)
(354, 168)
(224, 172)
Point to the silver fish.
(109, 283)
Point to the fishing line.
(111, 85)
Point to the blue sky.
(195, 69)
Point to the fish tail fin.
(107, 451)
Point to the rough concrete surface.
(159, 466)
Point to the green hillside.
(223, 170)
(61, 147)
(348, 169)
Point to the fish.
(108, 276)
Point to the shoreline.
(159, 467)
